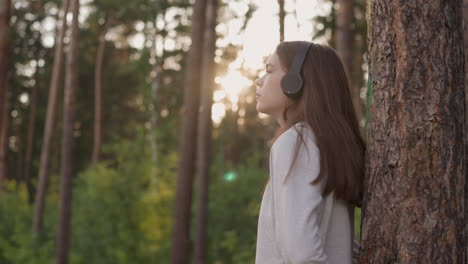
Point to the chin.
(262, 109)
(259, 108)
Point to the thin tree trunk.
(358, 81)
(30, 136)
(19, 161)
(49, 125)
(187, 148)
(158, 70)
(98, 94)
(414, 198)
(153, 111)
(66, 168)
(281, 19)
(344, 43)
(344, 32)
(5, 9)
(204, 133)
(4, 122)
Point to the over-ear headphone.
(291, 83)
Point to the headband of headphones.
(291, 83)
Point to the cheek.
(273, 84)
(273, 98)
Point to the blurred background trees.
(132, 73)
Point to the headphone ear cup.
(291, 84)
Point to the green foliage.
(357, 223)
(121, 212)
(17, 245)
(233, 212)
(122, 207)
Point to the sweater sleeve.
(297, 203)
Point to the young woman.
(316, 162)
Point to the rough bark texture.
(204, 133)
(49, 125)
(66, 168)
(180, 249)
(465, 40)
(415, 185)
(5, 7)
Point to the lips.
(258, 96)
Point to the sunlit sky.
(258, 40)
(262, 33)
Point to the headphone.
(291, 83)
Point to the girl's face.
(270, 98)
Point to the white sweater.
(296, 225)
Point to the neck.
(291, 116)
(284, 125)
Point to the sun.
(232, 85)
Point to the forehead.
(273, 59)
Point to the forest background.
(104, 108)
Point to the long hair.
(325, 104)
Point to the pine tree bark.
(5, 10)
(415, 185)
(66, 166)
(465, 38)
(49, 125)
(204, 133)
(187, 148)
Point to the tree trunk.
(344, 32)
(414, 198)
(281, 19)
(66, 168)
(158, 69)
(465, 38)
(4, 122)
(188, 136)
(204, 133)
(5, 9)
(30, 135)
(98, 94)
(49, 125)
(344, 43)
(358, 81)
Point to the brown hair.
(325, 104)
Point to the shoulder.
(287, 141)
(291, 154)
(298, 138)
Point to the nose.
(258, 82)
